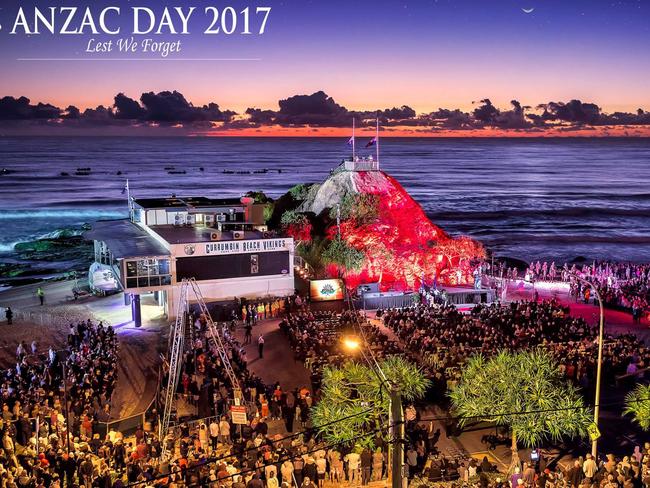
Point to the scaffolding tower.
(175, 360)
(176, 349)
(216, 337)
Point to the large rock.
(401, 245)
(331, 192)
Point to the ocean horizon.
(525, 198)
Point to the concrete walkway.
(278, 362)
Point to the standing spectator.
(321, 469)
(377, 465)
(214, 434)
(590, 468)
(514, 479)
(272, 480)
(286, 471)
(248, 336)
(224, 430)
(575, 475)
(298, 465)
(9, 314)
(260, 345)
(354, 462)
(366, 465)
(86, 471)
(203, 437)
(41, 295)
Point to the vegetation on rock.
(361, 208)
(343, 255)
(300, 191)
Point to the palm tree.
(637, 404)
(354, 400)
(524, 391)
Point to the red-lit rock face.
(301, 233)
(402, 246)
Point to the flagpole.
(377, 143)
(128, 197)
(353, 140)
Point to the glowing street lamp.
(351, 343)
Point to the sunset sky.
(366, 55)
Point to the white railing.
(362, 165)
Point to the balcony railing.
(362, 165)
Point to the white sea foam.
(79, 215)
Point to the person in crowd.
(260, 346)
(9, 315)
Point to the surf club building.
(222, 243)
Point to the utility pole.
(397, 434)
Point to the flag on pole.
(351, 141)
(372, 142)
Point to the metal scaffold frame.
(214, 336)
(176, 349)
(175, 358)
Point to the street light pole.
(601, 327)
(601, 330)
(395, 411)
(397, 434)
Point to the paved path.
(278, 362)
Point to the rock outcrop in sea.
(55, 255)
(400, 245)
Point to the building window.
(145, 273)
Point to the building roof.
(183, 235)
(186, 202)
(125, 239)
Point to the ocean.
(555, 199)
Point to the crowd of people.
(445, 338)
(316, 338)
(631, 471)
(623, 286)
(214, 452)
(54, 436)
(52, 403)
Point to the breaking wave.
(78, 215)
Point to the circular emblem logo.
(327, 290)
(190, 249)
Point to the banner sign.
(238, 414)
(216, 248)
